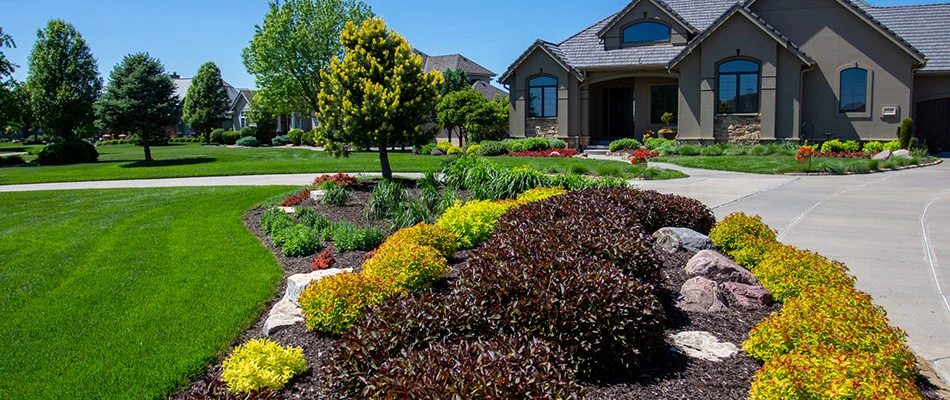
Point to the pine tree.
(377, 95)
(206, 101)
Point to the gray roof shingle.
(584, 50)
(926, 27)
(453, 61)
(488, 90)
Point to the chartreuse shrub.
(406, 266)
(540, 193)
(332, 304)
(261, 364)
(739, 230)
(473, 149)
(893, 145)
(873, 147)
(427, 235)
(787, 271)
(836, 316)
(473, 222)
(824, 372)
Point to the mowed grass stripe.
(125, 293)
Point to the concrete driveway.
(891, 229)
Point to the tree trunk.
(448, 132)
(461, 137)
(384, 163)
(148, 150)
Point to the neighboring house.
(756, 70)
(236, 118)
(479, 76)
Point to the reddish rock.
(747, 295)
(701, 295)
(718, 267)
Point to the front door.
(618, 121)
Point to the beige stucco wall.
(540, 63)
(836, 38)
(613, 37)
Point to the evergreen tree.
(140, 99)
(455, 80)
(206, 101)
(63, 80)
(377, 95)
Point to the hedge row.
(562, 290)
(830, 340)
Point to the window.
(542, 97)
(853, 91)
(663, 99)
(738, 87)
(646, 32)
(243, 119)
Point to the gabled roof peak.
(633, 4)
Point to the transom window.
(738, 87)
(646, 32)
(853, 91)
(542, 97)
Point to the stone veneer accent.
(541, 127)
(745, 128)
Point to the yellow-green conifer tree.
(377, 95)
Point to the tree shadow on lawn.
(169, 163)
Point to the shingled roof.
(926, 27)
(452, 61)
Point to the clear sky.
(184, 34)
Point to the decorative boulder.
(287, 311)
(882, 156)
(750, 296)
(901, 154)
(296, 284)
(701, 295)
(703, 345)
(673, 239)
(317, 195)
(718, 267)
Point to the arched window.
(646, 32)
(542, 97)
(738, 87)
(853, 91)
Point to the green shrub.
(230, 137)
(309, 138)
(296, 136)
(873, 147)
(905, 133)
(12, 160)
(273, 220)
(249, 131)
(688, 150)
(473, 149)
(386, 197)
(300, 240)
(832, 146)
(282, 140)
(492, 148)
(406, 266)
(852, 145)
(247, 141)
(261, 364)
(759, 150)
(893, 145)
(624, 144)
(336, 195)
(666, 149)
(514, 182)
(217, 136)
(711, 151)
(655, 143)
(347, 237)
(332, 304)
(76, 151)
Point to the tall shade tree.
(473, 116)
(6, 67)
(8, 105)
(16, 113)
(454, 109)
(140, 98)
(63, 80)
(206, 101)
(377, 95)
(295, 44)
(489, 121)
(455, 80)
(265, 120)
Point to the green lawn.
(125, 293)
(778, 164)
(189, 160)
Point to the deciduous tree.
(296, 43)
(265, 120)
(455, 80)
(206, 101)
(140, 98)
(63, 79)
(474, 117)
(377, 95)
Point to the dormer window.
(646, 32)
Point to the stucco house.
(756, 70)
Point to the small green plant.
(688, 150)
(655, 143)
(300, 241)
(347, 237)
(336, 195)
(310, 217)
(273, 219)
(230, 137)
(249, 131)
(332, 304)
(578, 169)
(492, 148)
(282, 140)
(893, 145)
(247, 141)
(905, 133)
(217, 136)
(296, 136)
(386, 197)
(261, 364)
(667, 118)
(712, 151)
(624, 144)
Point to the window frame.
(738, 75)
(675, 111)
(542, 113)
(869, 85)
(623, 33)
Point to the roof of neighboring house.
(922, 30)
(182, 85)
(452, 61)
(488, 90)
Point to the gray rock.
(296, 284)
(752, 296)
(901, 154)
(701, 295)
(317, 195)
(285, 313)
(703, 345)
(718, 267)
(673, 239)
(882, 156)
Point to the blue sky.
(184, 34)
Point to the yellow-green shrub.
(738, 230)
(473, 149)
(427, 235)
(540, 193)
(406, 266)
(841, 317)
(260, 364)
(787, 271)
(454, 150)
(474, 221)
(823, 372)
(332, 304)
(754, 251)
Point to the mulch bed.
(675, 377)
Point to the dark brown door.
(933, 123)
(618, 121)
